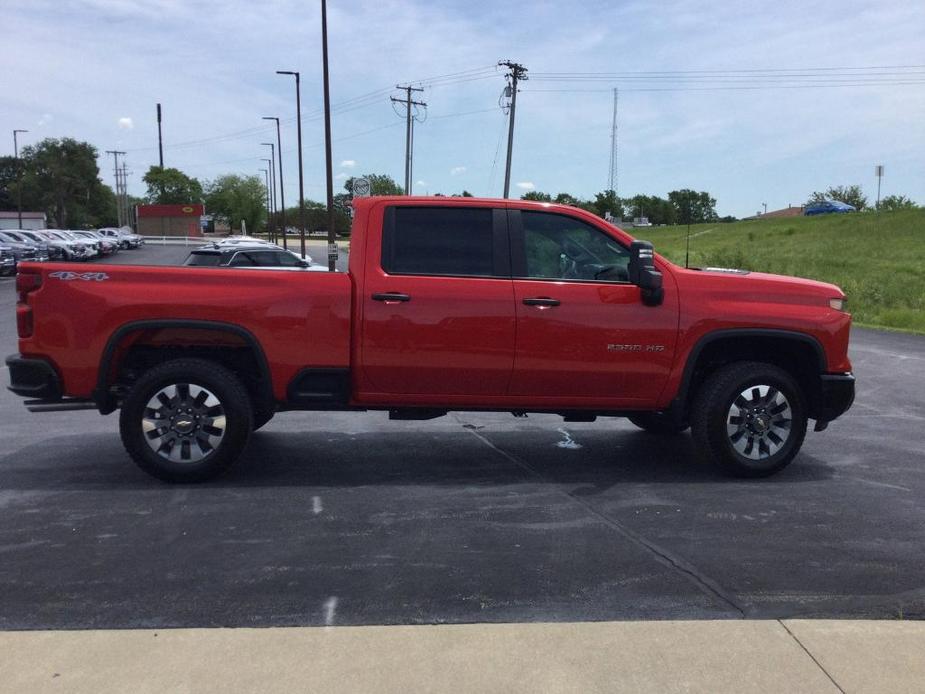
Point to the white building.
(30, 220)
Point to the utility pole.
(517, 72)
(129, 217)
(298, 122)
(266, 189)
(409, 103)
(19, 175)
(765, 206)
(282, 193)
(119, 204)
(273, 183)
(613, 146)
(160, 139)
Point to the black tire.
(658, 423)
(732, 398)
(210, 444)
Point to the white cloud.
(45, 119)
(348, 164)
(526, 185)
(456, 170)
(420, 183)
(126, 123)
(341, 176)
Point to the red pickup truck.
(448, 304)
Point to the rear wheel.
(186, 420)
(658, 423)
(749, 419)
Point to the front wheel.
(186, 420)
(749, 419)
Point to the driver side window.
(562, 247)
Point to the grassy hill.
(878, 260)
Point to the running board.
(59, 405)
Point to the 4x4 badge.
(85, 276)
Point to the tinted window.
(286, 259)
(438, 241)
(202, 259)
(562, 247)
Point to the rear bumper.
(33, 378)
(836, 395)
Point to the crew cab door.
(584, 337)
(437, 302)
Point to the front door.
(584, 337)
(438, 303)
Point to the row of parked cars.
(246, 251)
(17, 245)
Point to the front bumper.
(33, 378)
(836, 395)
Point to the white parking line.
(316, 505)
(330, 606)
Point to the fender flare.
(101, 395)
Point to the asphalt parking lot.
(352, 519)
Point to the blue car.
(828, 207)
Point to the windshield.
(204, 259)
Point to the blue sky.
(94, 70)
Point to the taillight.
(26, 282)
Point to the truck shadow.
(605, 459)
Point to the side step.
(59, 405)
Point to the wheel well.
(801, 357)
(135, 350)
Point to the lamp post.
(298, 120)
(18, 175)
(282, 194)
(272, 175)
(266, 179)
(269, 170)
(332, 249)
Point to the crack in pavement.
(663, 556)
(807, 651)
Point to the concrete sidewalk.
(661, 656)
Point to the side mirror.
(643, 273)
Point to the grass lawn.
(877, 259)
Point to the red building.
(170, 220)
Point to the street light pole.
(327, 136)
(298, 120)
(18, 175)
(282, 193)
(269, 206)
(266, 189)
(272, 179)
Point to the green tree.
(235, 198)
(853, 195)
(657, 210)
(536, 196)
(61, 178)
(693, 207)
(379, 184)
(169, 186)
(891, 203)
(607, 202)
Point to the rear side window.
(203, 259)
(438, 241)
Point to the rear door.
(438, 303)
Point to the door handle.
(391, 296)
(542, 301)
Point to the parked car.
(104, 246)
(125, 239)
(59, 246)
(24, 249)
(7, 261)
(449, 304)
(828, 207)
(259, 254)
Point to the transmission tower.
(613, 146)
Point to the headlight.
(838, 304)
